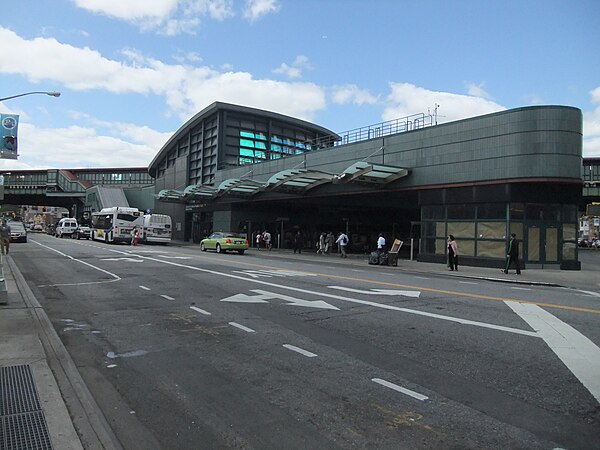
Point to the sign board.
(593, 210)
(9, 123)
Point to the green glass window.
(246, 152)
(246, 143)
(247, 134)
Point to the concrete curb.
(92, 427)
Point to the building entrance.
(542, 244)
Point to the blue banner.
(9, 124)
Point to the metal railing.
(408, 123)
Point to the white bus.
(156, 228)
(115, 224)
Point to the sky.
(132, 72)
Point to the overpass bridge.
(79, 190)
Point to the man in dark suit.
(513, 254)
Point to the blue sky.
(131, 72)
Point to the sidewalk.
(38, 376)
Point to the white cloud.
(406, 99)
(591, 127)
(288, 71)
(170, 17)
(476, 90)
(350, 93)
(85, 145)
(186, 89)
(256, 9)
(295, 70)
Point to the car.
(82, 232)
(18, 233)
(38, 227)
(222, 241)
(582, 242)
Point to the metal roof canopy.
(241, 187)
(370, 173)
(198, 191)
(298, 180)
(169, 195)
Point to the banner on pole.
(9, 123)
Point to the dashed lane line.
(300, 350)
(242, 327)
(201, 311)
(400, 389)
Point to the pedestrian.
(380, 244)
(329, 242)
(259, 240)
(267, 239)
(136, 236)
(452, 253)
(342, 240)
(298, 242)
(512, 255)
(321, 244)
(4, 237)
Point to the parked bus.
(156, 228)
(115, 224)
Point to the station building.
(517, 171)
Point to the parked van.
(66, 227)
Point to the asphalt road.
(189, 350)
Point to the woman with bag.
(452, 253)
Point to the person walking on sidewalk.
(342, 240)
(298, 242)
(452, 253)
(321, 244)
(329, 242)
(4, 237)
(513, 254)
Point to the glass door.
(542, 244)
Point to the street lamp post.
(50, 93)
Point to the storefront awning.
(298, 180)
(364, 172)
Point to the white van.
(156, 228)
(66, 227)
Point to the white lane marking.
(321, 294)
(577, 352)
(137, 260)
(401, 389)
(300, 350)
(263, 296)
(113, 355)
(595, 294)
(351, 300)
(167, 297)
(378, 291)
(175, 257)
(115, 277)
(520, 288)
(201, 311)
(110, 366)
(421, 278)
(467, 282)
(145, 288)
(268, 273)
(242, 327)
